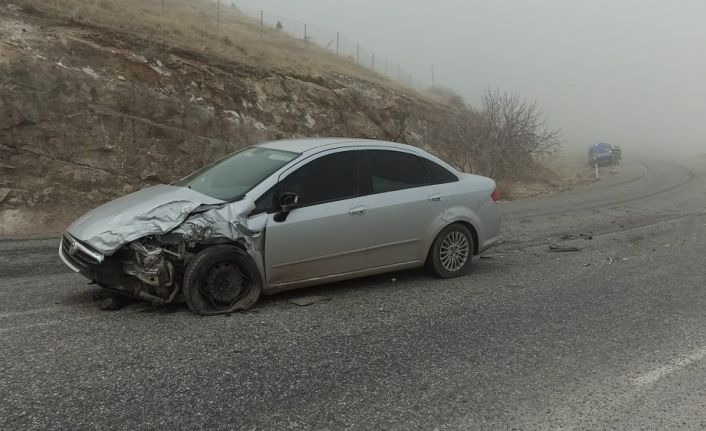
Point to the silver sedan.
(283, 215)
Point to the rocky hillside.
(88, 114)
(99, 98)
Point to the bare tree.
(465, 141)
(503, 138)
(516, 132)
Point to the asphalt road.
(609, 337)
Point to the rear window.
(437, 173)
(601, 148)
(394, 170)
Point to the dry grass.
(191, 25)
(565, 172)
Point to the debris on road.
(491, 256)
(305, 301)
(579, 236)
(561, 249)
(114, 303)
(610, 260)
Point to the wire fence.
(225, 21)
(336, 43)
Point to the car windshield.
(230, 178)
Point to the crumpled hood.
(154, 210)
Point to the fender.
(487, 232)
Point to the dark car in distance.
(600, 154)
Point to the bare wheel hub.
(223, 284)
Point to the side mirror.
(287, 201)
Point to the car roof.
(312, 145)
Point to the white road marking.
(135, 310)
(49, 323)
(82, 308)
(654, 375)
(54, 309)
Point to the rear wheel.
(452, 252)
(221, 279)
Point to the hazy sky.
(628, 72)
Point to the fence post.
(357, 53)
(372, 63)
(218, 17)
(338, 39)
(433, 80)
(410, 79)
(399, 73)
(262, 18)
(305, 36)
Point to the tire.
(221, 279)
(442, 260)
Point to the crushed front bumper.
(109, 272)
(78, 256)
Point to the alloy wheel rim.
(454, 251)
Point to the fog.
(627, 72)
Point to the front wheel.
(221, 279)
(451, 253)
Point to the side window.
(437, 173)
(394, 170)
(325, 179)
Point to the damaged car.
(601, 154)
(283, 215)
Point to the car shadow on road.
(392, 280)
(307, 295)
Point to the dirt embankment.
(88, 114)
(563, 173)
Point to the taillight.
(495, 196)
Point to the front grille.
(75, 255)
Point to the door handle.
(358, 211)
(436, 197)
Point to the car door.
(403, 207)
(326, 233)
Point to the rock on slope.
(88, 114)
